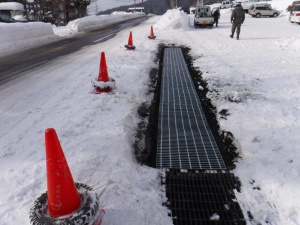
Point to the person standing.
(216, 15)
(237, 18)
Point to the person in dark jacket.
(216, 15)
(237, 18)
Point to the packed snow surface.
(255, 78)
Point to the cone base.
(130, 47)
(88, 211)
(99, 90)
(151, 37)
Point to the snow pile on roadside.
(17, 36)
(172, 19)
(97, 22)
(96, 132)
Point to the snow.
(11, 6)
(256, 79)
(97, 22)
(20, 36)
(215, 216)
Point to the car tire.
(257, 15)
(275, 14)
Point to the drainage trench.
(199, 188)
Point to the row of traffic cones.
(130, 45)
(63, 198)
(105, 84)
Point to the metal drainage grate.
(203, 198)
(184, 138)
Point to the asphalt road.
(12, 66)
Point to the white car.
(226, 4)
(258, 10)
(247, 3)
(295, 15)
(203, 17)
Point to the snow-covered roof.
(11, 6)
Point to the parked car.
(11, 12)
(247, 3)
(295, 15)
(226, 4)
(291, 7)
(203, 17)
(258, 10)
(6, 19)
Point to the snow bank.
(97, 22)
(17, 36)
(11, 6)
(171, 19)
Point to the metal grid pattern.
(203, 198)
(184, 138)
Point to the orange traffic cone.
(103, 75)
(63, 197)
(103, 83)
(130, 45)
(151, 34)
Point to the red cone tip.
(63, 197)
(103, 74)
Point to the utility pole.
(134, 6)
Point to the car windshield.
(297, 8)
(6, 17)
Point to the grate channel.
(184, 138)
(203, 198)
